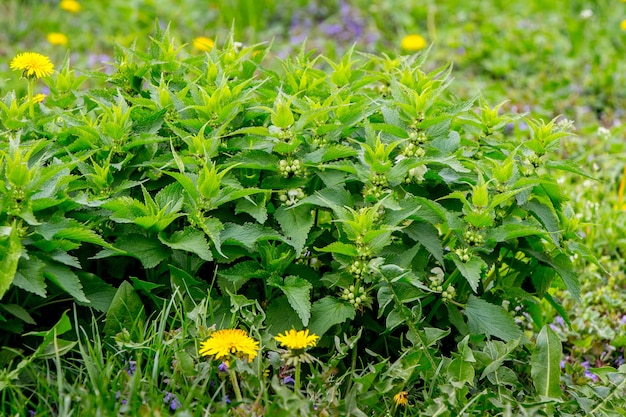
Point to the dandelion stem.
(233, 380)
(31, 88)
(296, 384)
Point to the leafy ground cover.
(342, 221)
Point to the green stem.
(296, 385)
(352, 365)
(31, 105)
(233, 380)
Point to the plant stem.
(31, 88)
(233, 380)
(296, 385)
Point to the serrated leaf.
(255, 159)
(295, 222)
(29, 276)
(247, 235)
(257, 209)
(327, 312)
(340, 248)
(19, 312)
(281, 316)
(240, 273)
(81, 234)
(428, 236)
(125, 312)
(67, 280)
(546, 215)
(10, 252)
(490, 320)
(471, 270)
(298, 292)
(514, 230)
(563, 265)
(333, 198)
(99, 293)
(150, 252)
(545, 363)
(190, 240)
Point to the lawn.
(312, 208)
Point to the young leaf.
(149, 251)
(190, 240)
(295, 223)
(327, 312)
(298, 292)
(545, 363)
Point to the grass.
(547, 60)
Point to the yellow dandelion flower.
(401, 398)
(39, 98)
(297, 340)
(223, 343)
(202, 43)
(56, 38)
(71, 6)
(622, 24)
(413, 43)
(32, 64)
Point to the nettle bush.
(358, 199)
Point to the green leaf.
(29, 276)
(497, 352)
(240, 273)
(190, 240)
(99, 293)
(563, 265)
(511, 231)
(148, 250)
(327, 312)
(247, 235)
(10, 251)
(340, 248)
(545, 363)
(62, 326)
(428, 236)
(490, 320)
(295, 223)
(461, 371)
(67, 280)
(471, 270)
(544, 212)
(125, 312)
(333, 197)
(19, 312)
(254, 207)
(298, 292)
(281, 317)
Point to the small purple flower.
(172, 400)
(118, 394)
(226, 399)
(619, 361)
(588, 373)
(623, 319)
(31, 413)
(131, 368)
(289, 380)
(223, 367)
